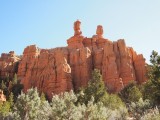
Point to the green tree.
(134, 94)
(152, 87)
(3, 85)
(4, 88)
(42, 97)
(4, 109)
(95, 88)
(131, 93)
(11, 100)
(113, 102)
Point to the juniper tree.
(131, 93)
(95, 88)
(152, 87)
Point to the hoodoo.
(62, 69)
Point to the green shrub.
(131, 93)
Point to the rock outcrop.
(47, 70)
(8, 64)
(2, 96)
(61, 69)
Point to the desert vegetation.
(93, 102)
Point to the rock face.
(62, 69)
(47, 70)
(8, 64)
(2, 96)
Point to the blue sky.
(49, 23)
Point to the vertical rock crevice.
(61, 69)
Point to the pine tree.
(3, 85)
(11, 100)
(96, 88)
(153, 85)
(5, 89)
(42, 97)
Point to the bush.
(113, 102)
(137, 109)
(4, 109)
(131, 93)
(63, 107)
(151, 114)
(28, 106)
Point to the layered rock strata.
(62, 69)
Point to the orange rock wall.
(62, 69)
(47, 70)
(8, 64)
(118, 64)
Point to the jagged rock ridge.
(62, 69)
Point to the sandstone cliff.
(62, 69)
(8, 64)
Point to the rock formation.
(62, 69)
(8, 64)
(47, 70)
(2, 96)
